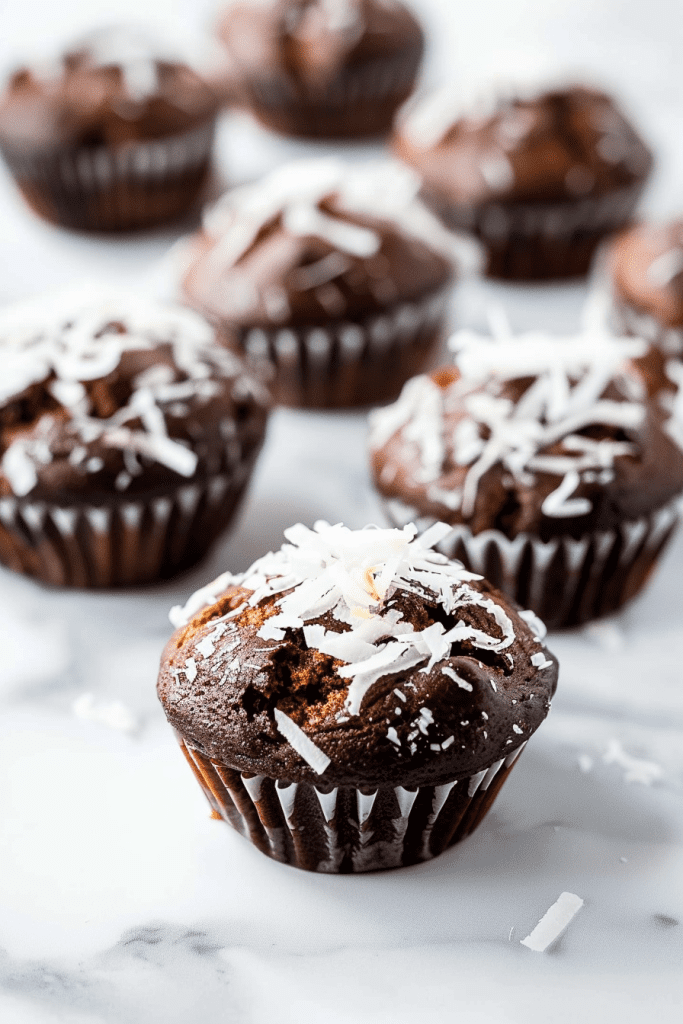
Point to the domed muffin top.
(111, 88)
(531, 434)
(318, 240)
(104, 393)
(356, 658)
(561, 145)
(309, 42)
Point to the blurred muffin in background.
(336, 275)
(645, 268)
(127, 437)
(540, 180)
(322, 68)
(111, 137)
(548, 459)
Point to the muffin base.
(99, 189)
(347, 830)
(341, 365)
(543, 241)
(131, 541)
(564, 580)
(359, 103)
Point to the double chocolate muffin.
(539, 180)
(111, 137)
(337, 276)
(355, 700)
(322, 68)
(127, 437)
(645, 267)
(549, 461)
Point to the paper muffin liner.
(544, 240)
(116, 189)
(342, 364)
(564, 580)
(126, 542)
(359, 101)
(347, 830)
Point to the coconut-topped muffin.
(322, 68)
(337, 274)
(364, 664)
(547, 455)
(116, 409)
(112, 135)
(539, 178)
(645, 266)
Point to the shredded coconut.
(353, 574)
(67, 339)
(571, 376)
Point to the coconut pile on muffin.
(540, 179)
(127, 436)
(113, 136)
(549, 460)
(322, 68)
(354, 700)
(336, 274)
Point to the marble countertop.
(121, 900)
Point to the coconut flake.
(300, 742)
(553, 922)
(462, 683)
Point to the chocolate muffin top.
(110, 89)
(318, 241)
(541, 435)
(646, 268)
(562, 145)
(104, 395)
(306, 44)
(356, 658)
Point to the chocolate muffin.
(549, 461)
(539, 180)
(127, 436)
(338, 276)
(645, 268)
(323, 68)
(111, 137)
(355, 700)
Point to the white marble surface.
(122, 902)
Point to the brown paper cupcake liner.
(342, 364)
(564, 580)
(544, 240)
(360, 101)
(126, 542)
(347, 830)
(103, 189)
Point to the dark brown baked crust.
(639, 483)
(305, 72)
(82, 103)
(645, 264)
(227, 711)
(562, 145)
(199, 396)
(403, 269)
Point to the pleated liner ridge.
(128, 541)
(566, 581)
(347, 830)
(102, 189)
